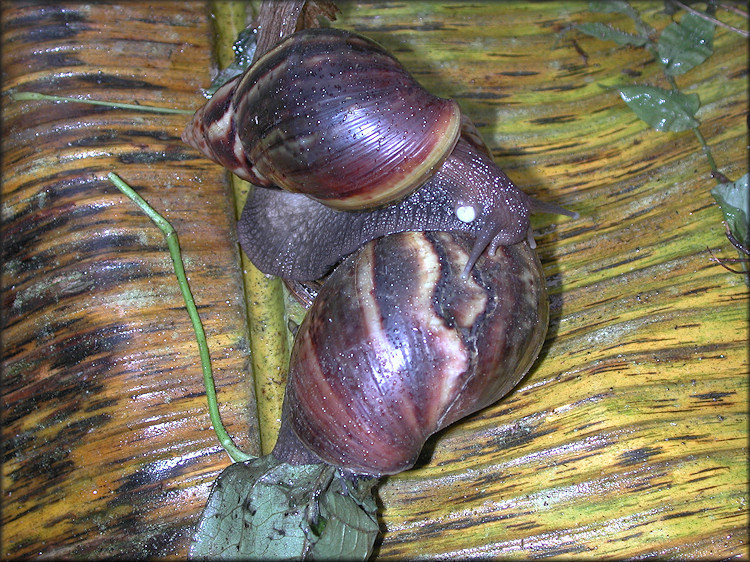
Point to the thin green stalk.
(696, 130)
(644, 29)
(707, 152)
(264, 295)
(25, 96)
(235, 453)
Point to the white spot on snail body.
(466, 213)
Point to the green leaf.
(247, 518)
(734, 200)
(268, 510)
(351, 524)
(664, 110)
(613, 7)
(609, 33)
(244, 50)
(622, 7)
(685, 45)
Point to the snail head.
(488, 204)
(501, 221)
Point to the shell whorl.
(333, 115)
(416, 357)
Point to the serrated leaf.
(734, 200)
(664, 110)
(247, 516)
(259, 510)
(685, 45)
(609, 33)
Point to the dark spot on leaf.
(712, 396)
(680, 514)
(637, 456)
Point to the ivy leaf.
(685, 45)
(610, 33)
(664, 110)
(264, 509)
(734, 200)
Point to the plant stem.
(174, 251)
(734, 9)
(24, 96)
(264, 294)
(645, 32)
(707, 152)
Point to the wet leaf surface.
(627, 439)
(686, 44)
(664, 110)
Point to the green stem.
(235, 453)
(641, 26)
(707, 152)
(698, 134)
(24, 96)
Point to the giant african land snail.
(376, 370)
(332, 115)
(417, 329)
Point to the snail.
(411, 333)
(421, 348)
(395, 346)
(295, 237)
(331, 115)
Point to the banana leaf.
(627, 439)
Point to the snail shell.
(330, 114)
(398, 346)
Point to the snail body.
(332, 115)
(412, 358)
(295, 237)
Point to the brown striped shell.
(330, 114)
(397, 346)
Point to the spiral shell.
(330, 114)
(397, 346)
